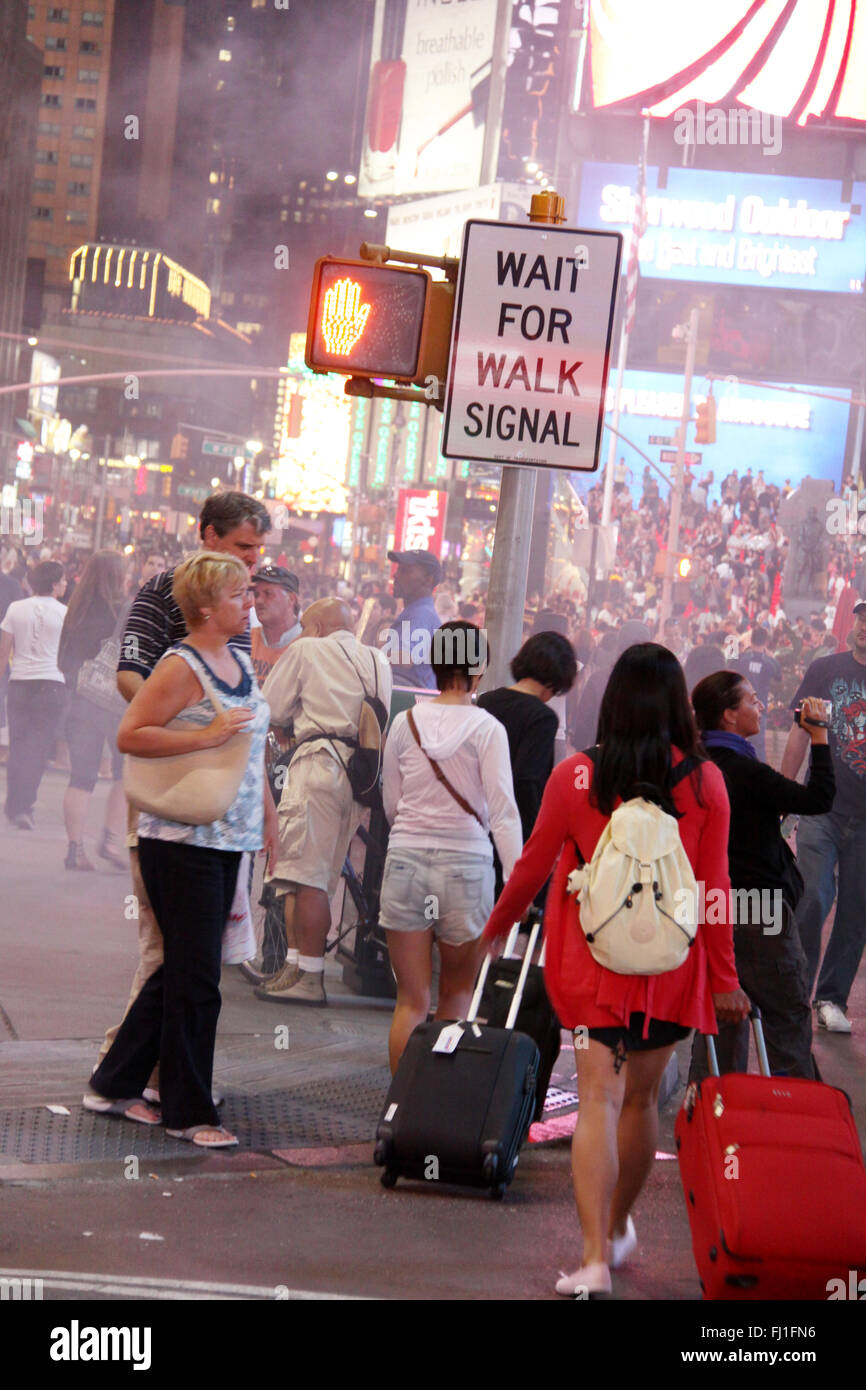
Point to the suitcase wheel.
(489, 1167)
(389, 1177)
(380, 1153)
(498, 1192)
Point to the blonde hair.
(203, 579)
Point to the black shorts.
(623, 1040)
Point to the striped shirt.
(156, 623)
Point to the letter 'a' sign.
(530, 345)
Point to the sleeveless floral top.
(242, 826)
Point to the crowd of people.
(216, 672)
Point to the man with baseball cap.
(831, 849)
(407, 642)
(276, 591)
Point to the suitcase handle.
(760, 1045)
(521, 980)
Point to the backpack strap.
(678, 774)
(440, 775)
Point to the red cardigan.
(581, 990)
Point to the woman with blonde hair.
(92, 616)
(190, 871)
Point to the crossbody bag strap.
(440, 775)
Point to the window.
(44, 185)
(41, 214)
(47, 157)
(76, 216)
(84, 132)
(89, 74)
(85, 104)
(79, 190)
(92, 17)
(213, 207)
(58, 45)
(249, 328)
(51, 99)
(58, 15)
(49, 128)
(50, 70)
(284, 216)
(88, 46)
(258, 4)
(81, 161)
(225, 55)
(31, 11)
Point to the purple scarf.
(723, 738)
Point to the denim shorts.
(441, 890)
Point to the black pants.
(34, 709)
(774, 974)
(174, 1019)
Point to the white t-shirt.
(34, 625)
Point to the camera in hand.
(815, 723)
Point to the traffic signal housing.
(705, 429)
(179, 446)
(372, 320)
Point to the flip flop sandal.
(122, 1109)
(191, 1135)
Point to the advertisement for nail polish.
(428, 96)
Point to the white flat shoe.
(590, 1281)
(623, 1246)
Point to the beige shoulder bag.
(192, 788)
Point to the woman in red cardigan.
(628, 1024)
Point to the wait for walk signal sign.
(373, 320)
(530, 347)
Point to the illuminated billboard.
(800, 59)
(736, 229)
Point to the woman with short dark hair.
(627, 1024)
(446, 785)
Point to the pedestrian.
(36, 694)
(230, 523)
(761, 670)
(544, 667)
(276, 594)
(831, 849)
(627, 1025)
(447, 786)
(407, 640)
(321, 684)
(92, 618)
(767, 885)
(190, 871)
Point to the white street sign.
(530, 345)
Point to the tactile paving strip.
(318, 1114)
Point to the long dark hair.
(645, 711)
(102, 577)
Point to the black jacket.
(760, 798)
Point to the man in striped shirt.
(230, 522)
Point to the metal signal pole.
(691, 335)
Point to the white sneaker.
(623, 1246)
(831, 1017)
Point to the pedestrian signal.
(684, 567)
(372, 320)
(705, 430)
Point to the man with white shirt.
(30, 635)
(320, 684)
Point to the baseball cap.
(859, 607)
(424, 558)
(275, 574)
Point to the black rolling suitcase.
(462, 1100)
(535, 1016)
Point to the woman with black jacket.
(770, 960)
(91, 618)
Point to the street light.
(215, 482)
(254, 446)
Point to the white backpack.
(638, 896)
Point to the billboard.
(788, 436)
(738, 229)
(420, 523)
(800, 59)
(427, 97)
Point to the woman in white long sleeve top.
(438, 880)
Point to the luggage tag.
(448, 1039)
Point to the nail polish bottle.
(385, 100)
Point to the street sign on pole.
(219, 447)
(663, 439)
(530, 345)
(670, 456)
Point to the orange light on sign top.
(344, 317)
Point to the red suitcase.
(774, 1183)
